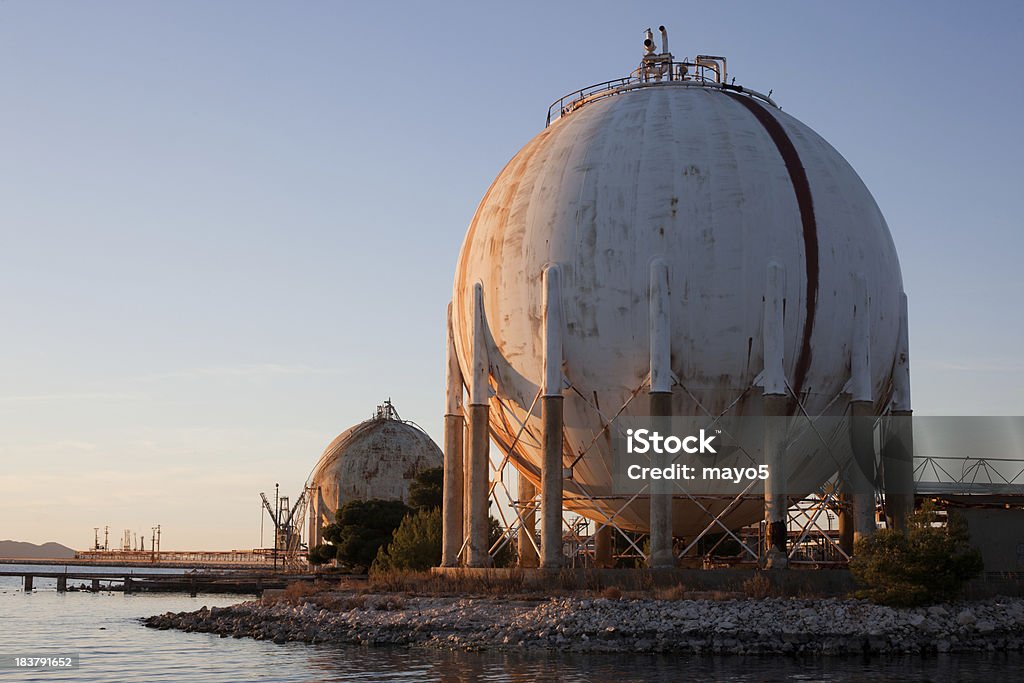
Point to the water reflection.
(104, 629)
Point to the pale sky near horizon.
(228, 230)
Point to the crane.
(286, 519)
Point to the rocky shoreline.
(572, 624)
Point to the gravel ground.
(748, 626)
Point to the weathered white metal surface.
(377, 458)
(717, 184)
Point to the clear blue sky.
(229, 229)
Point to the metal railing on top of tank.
(705, 72)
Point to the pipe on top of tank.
(649, 48)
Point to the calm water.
(104, 629)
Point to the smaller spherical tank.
(377, 458)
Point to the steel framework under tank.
(673, 244)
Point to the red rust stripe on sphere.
(802, 188)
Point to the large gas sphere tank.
(718, 185)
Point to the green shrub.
(362, 528)
(415, 545)
(427, 489)
(321, 554)
(929, 564)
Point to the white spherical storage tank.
(726, 192)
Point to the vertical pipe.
(321, 512)
(312, 537)
(862, 409)
(660, 396)
(527, 531)
(775, 408)
(479, 438)
(552, 423)
(603, 557)
(452, 524)
(898, 451)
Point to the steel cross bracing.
(805, 515)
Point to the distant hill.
(21, 549)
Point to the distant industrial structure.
(287, 520)
(376, 458)
(674, 244)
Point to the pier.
(191, 582)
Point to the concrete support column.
(898, 450)
(452, 523)
(552, 423)
(551, 482)
(898, 468)
(62, 584)
(527, 531)
(127, 584)
(603, 556)
(95, 585)
(28, 583)
(477, 474)
(477, 485)
(661, 556)
(862, 472)
(660, 396)
(775, 402)
(846, 523)
(776, 497)
(466, 501)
